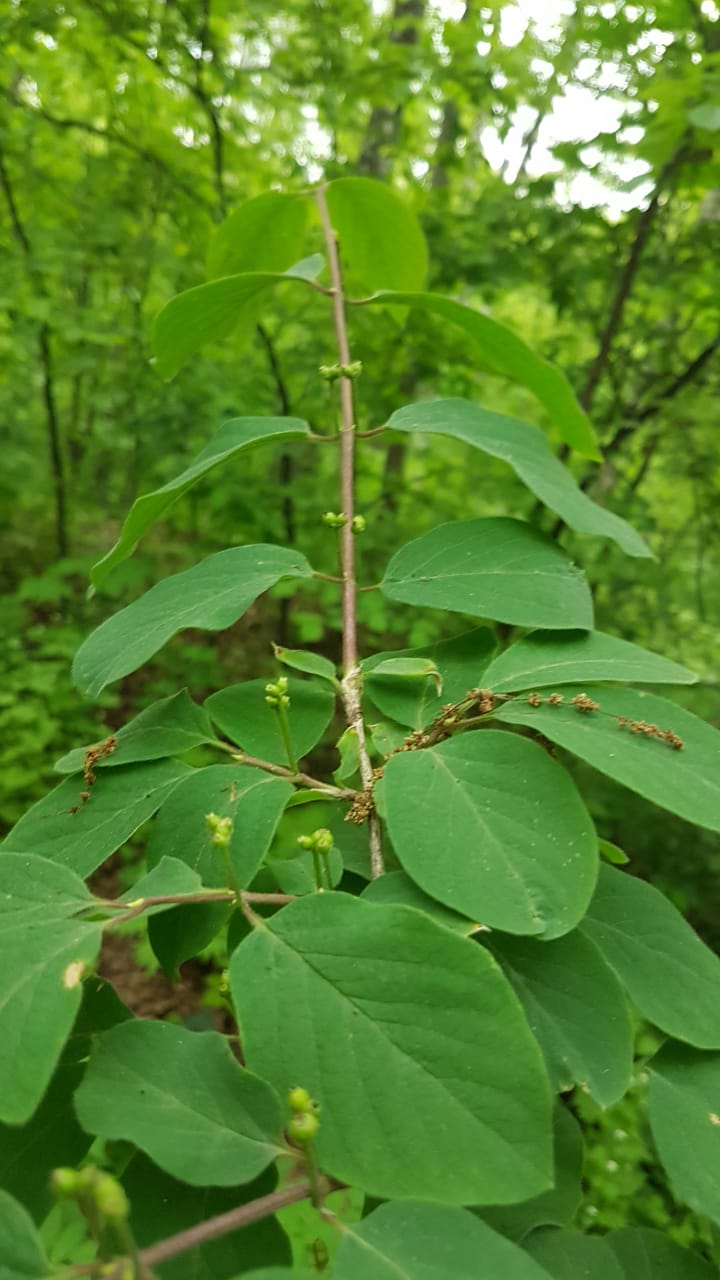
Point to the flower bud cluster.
(94, 1185)
(331, 372)
(221, 829)
(276, 694)
(304, 1122)
(321, 841)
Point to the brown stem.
(351, 677)
(185, 899)
(200, 1234)
(301, 779)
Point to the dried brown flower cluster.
(92, 755)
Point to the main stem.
(351, 685)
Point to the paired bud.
(276, 693)
(304, 1122)
(95, 1185)
(221, 829)
(331, 372)
(334, 520)
(321, 841)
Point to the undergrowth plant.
(428, 949)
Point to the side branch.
(230, 1221)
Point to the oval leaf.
(505, 353)
(169, 727)
(313, 664)
(460, 661)
(568, 1255)
(406, 1241)
(529, 850)
(242, 713)
(657, 956)
(686, 782)
(496, 568)
(81, 836)
(684, 1098)
(558, 1206)
(531, 458)
(645, 1254)
(211, 596)
(547, 658)
(22, 1252)
(576, 1007)
(380, 1005)
(381, 241)
(183, 1099)
(212, 311)
(263, 234)
(44, 955)
(239, 435)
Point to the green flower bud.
(299, 1100)
(322, 839)
(359, 524)
(65, 1182)
(303, 1126)
(333, 520)
(305, 842)
(221, 829)
(110, 1197)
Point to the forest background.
(564, 159)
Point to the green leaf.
(461, 662)
(22, 1252)
(169, 727)
(529, 850)
(183, 1099)
(527, 451)
(568, 1255)
(558, 1206)
(686, 782)
(505, 353)
(612, 853)
(161, 1206)
(547, 658)
(263, 234)
(313, 664)
(212, 311)
(657, 956)
(576, 1007)
(121, 801)
(684, 1097)
(386, 1017)
(651, 1255)
(211, 596)
(170, 876)
(44, 955)
(410, 669)
(239, 435)
(349, 752)
(381, 241)
(397, 887)
(242, 713)
(52, 1136)
(410, 1241)
(305, 812)
(255, 802)
(496, 568)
